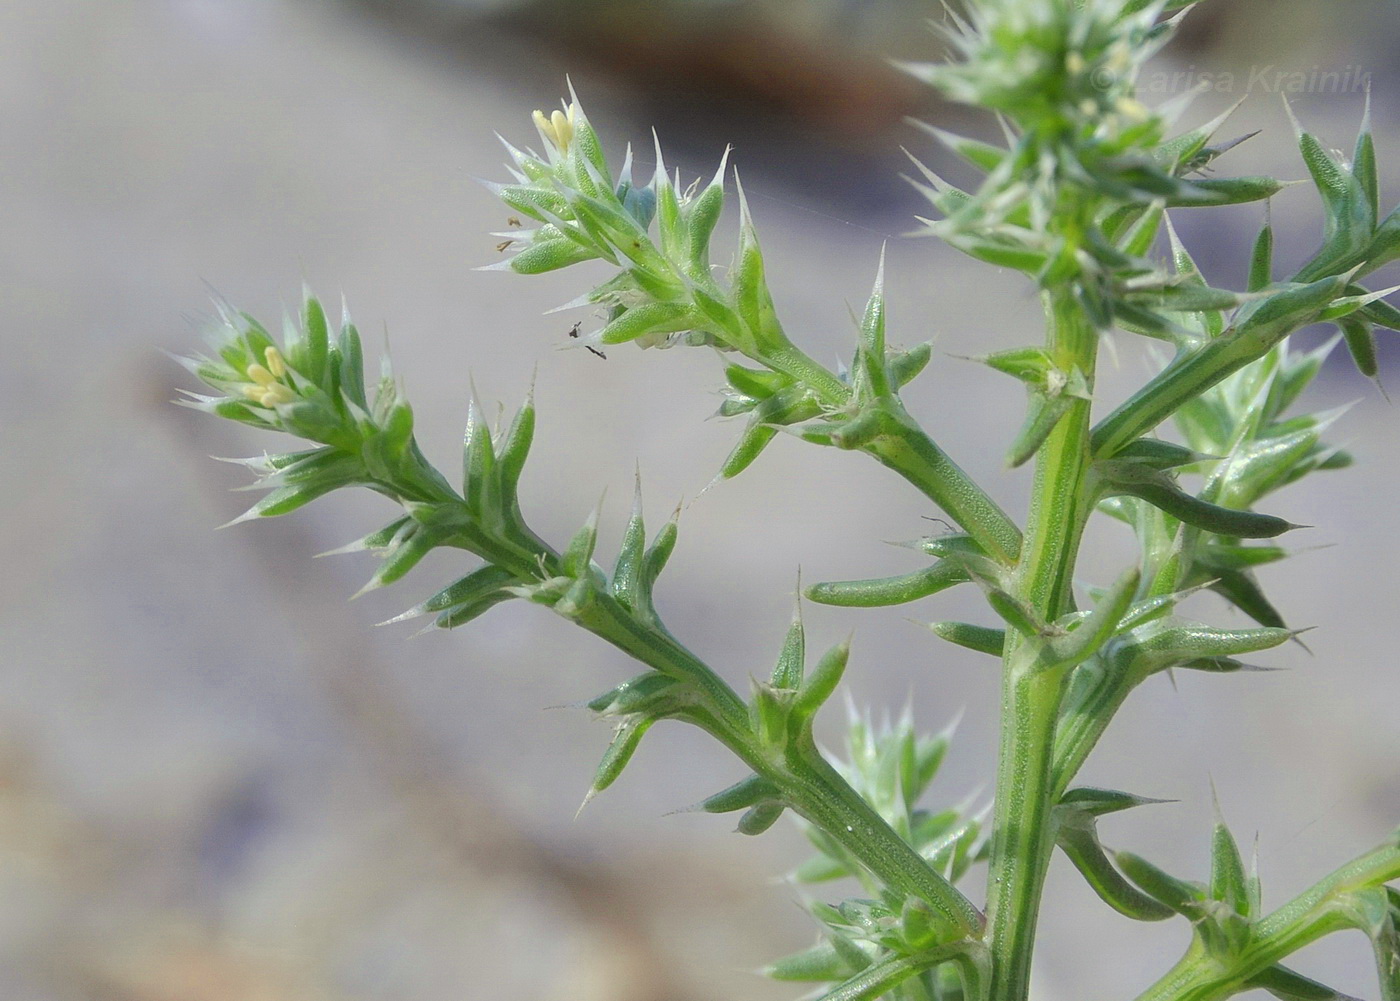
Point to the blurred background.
(218, 782)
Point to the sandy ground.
(222, 782)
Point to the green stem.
(1023, 836)
(809, 784)
(819, 793)
(792, 360)
(1316, 912)
(909, 451)
(1085, 718)
(881, 978)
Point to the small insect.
(574, 331)
(595, 351)
(503, 246)
(513, 221)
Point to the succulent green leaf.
(539, 258)
(287, 499)
(1192, 298)
(1097, 628)
(769, 714)
(757, 383)
(981, 155)
(513, 450)
(870, 376)
(1378, 311)
(624, 744)
(818, 686)
(314, 345)
(787, 673)
(1142, 231)
(649, 318)
(1043, 414)
(1161, 493)
(1030, 365)
(1385, 247)
(982, 639)
(1208, 192)
(654, 561)
(1262, 325)
(1015, 612)
(1180, 896)
(380, 539)
(750, 286)
(905, 366)
(1082, 848)
(1228, 882)
(1351, 218)
(1286, 985)
(752, 442)
(758, 819)
(819, 964)
(651, 694)
(577, 557)
(1093, 802)
(741, 796)
(1162, 644)
(626, 584)
(478, 462)
(1361, 342)
(889, 590)
(406, 553)
(881, 978)
(459, 615)
(1261, 261)
(352, 365)
(481, 583)
(1154, 453)
(1243, 591)
(702, 216)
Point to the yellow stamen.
(261, 375)
(1074, 62)
(563, 128)
(277, 394)
(253, 392)
(1132, 108)
(545, 126)
(275, 362)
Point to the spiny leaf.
(982, 639)
(624, 744)
(889, 590)
(787, 673)
(822, 682)
(740, 796)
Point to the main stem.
(1023, 835)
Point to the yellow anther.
(261, 375)
(542, 123)
(277, 394)
(253, 392)
(1088, 108)
(563, 128)
(275, 363)
(1132, 109)
(1074, 62)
